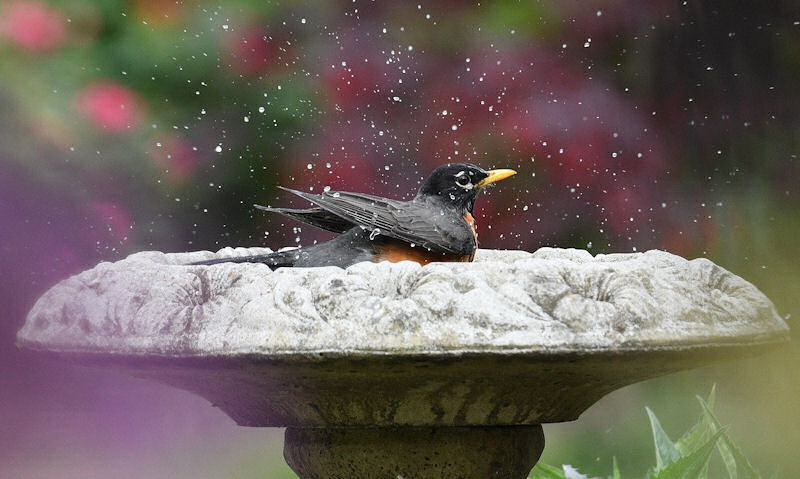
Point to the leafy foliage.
(686, 458)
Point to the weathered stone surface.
(418, 453)
(550, 301)
(512, 339)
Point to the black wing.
(415, 222)
(319, 217)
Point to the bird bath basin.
(389, 370)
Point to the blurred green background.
(133, 125)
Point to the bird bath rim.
(750, 342)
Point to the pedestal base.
(507, 452)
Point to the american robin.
(437, 225)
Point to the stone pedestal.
(413, 452)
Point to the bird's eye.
(463, 180)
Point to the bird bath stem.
(414, 452)
(396, 370)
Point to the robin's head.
(459, 183)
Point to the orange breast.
(402, 252)
(396, 252)
(471, 222)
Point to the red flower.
(110, 106)
(252, 51)
(32, 25)
(352, 83)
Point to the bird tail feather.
(279, 259)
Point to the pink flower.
(110, 106)
(32, 25)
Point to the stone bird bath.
(402, 371)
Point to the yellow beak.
(495, 176)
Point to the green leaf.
(699, 433)
(694, 437)
(616, 474)
(545, 471)
(712, 396)
(665, 448)
(735, 461)
(689, 466)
